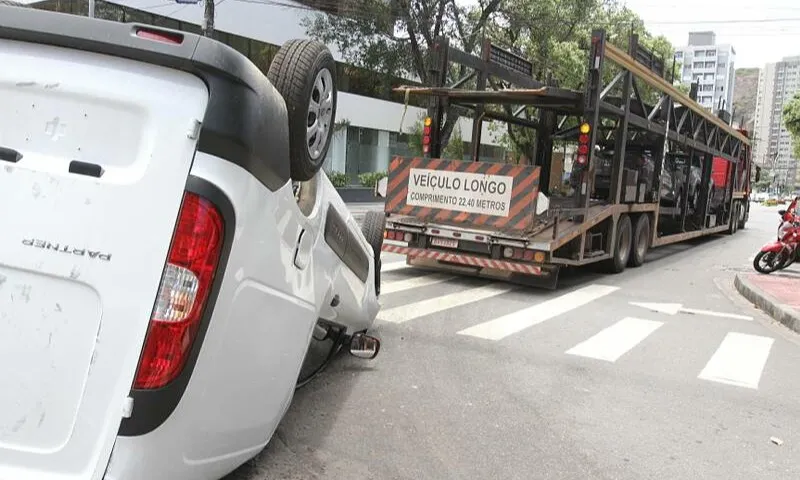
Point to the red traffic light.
(426, 130)
(583, 149)
(582, 159)
(583, 139)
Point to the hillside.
(744, 94)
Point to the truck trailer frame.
(577, 229)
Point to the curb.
(766, 302)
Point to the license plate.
(444, 242)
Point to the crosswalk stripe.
(388, 267)
(414, 310)
(501, 327)
(615, 341)
(739, 360)
(414, 282)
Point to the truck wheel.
(742, 215)
(622, 246)
(641, 241)
(733, 225)
(373, 226)
(304, 73)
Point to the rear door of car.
(95, 151)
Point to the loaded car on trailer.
(169, 246)
(512, 221)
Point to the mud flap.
(548, 279)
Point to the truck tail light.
(398, 235)
(426, 136)
(182, 295)
(583, 144)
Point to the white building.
(777, 84)
(763, 114)
(713, 66)
(370, 114)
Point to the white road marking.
(388, 267)
(674, 308)
(739, 360)
(414, 282)
(615, 341)
(411, 311)
(500, 328)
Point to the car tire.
(304, 73)
(372, 228)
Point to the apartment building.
(368, 132)
(712, 65)
(763, 114)
(777, 84)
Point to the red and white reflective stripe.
(463, 259)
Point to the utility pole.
(91, 8)
(208, 19)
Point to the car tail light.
(185, 286)
(160, 35)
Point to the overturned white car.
(168, 247)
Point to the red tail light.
(183, 293)
(160, 36)
(583, 140)
(426, 135)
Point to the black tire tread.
(288, 73)
(372, 228)
(614, 264)
(642, 227)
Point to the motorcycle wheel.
(773, 262)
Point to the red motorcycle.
(783, 252)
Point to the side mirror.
(364, 346)
(781, 212)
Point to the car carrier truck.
(644, 174)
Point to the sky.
(760, 33)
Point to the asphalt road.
(480, 380)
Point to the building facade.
(777, 84)
(763, 114)
(368, 132)
(712, 66)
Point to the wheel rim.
(320, 112)
(766, 262)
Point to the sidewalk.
(778, 294)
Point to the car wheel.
(373, 226)
(304, 73)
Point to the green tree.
(791, 119)
(395, 37)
